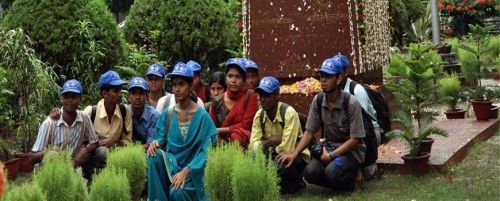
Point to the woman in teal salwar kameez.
(186, 131)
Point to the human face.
(181, 89)
(70, 101)
(252, 78)
(137, 97)
(268, 102)
(235, 80)
(216, 89)
(113, 95)
(329, 83)
(155, 83)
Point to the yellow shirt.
(111, 131)
(290, 133)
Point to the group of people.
(177, 129)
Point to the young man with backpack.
(341, 150)
(276, 128)
(365, 95)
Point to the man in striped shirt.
(73, 131)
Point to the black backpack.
(370, 139)
(381, 107)
(282, 111)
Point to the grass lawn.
(475, 178)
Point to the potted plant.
(11, 163)
(475, 65)
(414, 88)
(34, 90)
(449, 89)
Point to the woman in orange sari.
(233, 111)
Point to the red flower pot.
(482, 109)
(417, 165)
(455, 114)
(24, 162)
(12, 167)
(494, 111)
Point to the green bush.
(58, 179)
(201, 30)
(110, 184)
(449, 89)
(26, 192)
(56, 28)
(132, 160)
(231, 174)
(254, 178)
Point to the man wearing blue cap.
(144, 117)
(340, 151)
(252, 73)
(275, 129)
(156, 83)
(112, 120)
(73, 130)
(348, 85)
(198, 86)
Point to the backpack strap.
(352, 85)
(123, 112)
(319, 102)
(92, 114)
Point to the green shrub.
(254, 178)
(110, 184)
(26, 192)
(58, 179)
(449, 89)
(201, 30)
(231, 174)
(56, 28)
(219, 169)
(132, 160)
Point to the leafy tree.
(201, 30)
(56, 28)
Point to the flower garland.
(360, 8)
(245, 32)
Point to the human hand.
(286, 159)
(55, 113)
(152, 148)
(325, 156)
(104, 143)
(271, 141)
(80, 157)
(180, 178)
(146, 147)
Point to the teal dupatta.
(189, 151)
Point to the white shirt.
(168, 100)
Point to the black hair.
(242, 72)
(218, 77)
(107, 87)
(189, 80)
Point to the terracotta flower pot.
(482, 109)
(494, 111)
(25, 163)
(455, 114)
(417, 165)
(12, 167)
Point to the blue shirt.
(145, 126)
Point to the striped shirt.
(58, 134)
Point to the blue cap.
(72, 86)
(249, 64)
(138, 82)
(110, 78)
(180, 69)
(156, 69)
(331, 66)
(239, 62)
(268, 84)
(194, 65)
(343, 60)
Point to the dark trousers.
(95, 161)
(337, 177)
(291, 177)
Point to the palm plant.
(411, 79)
